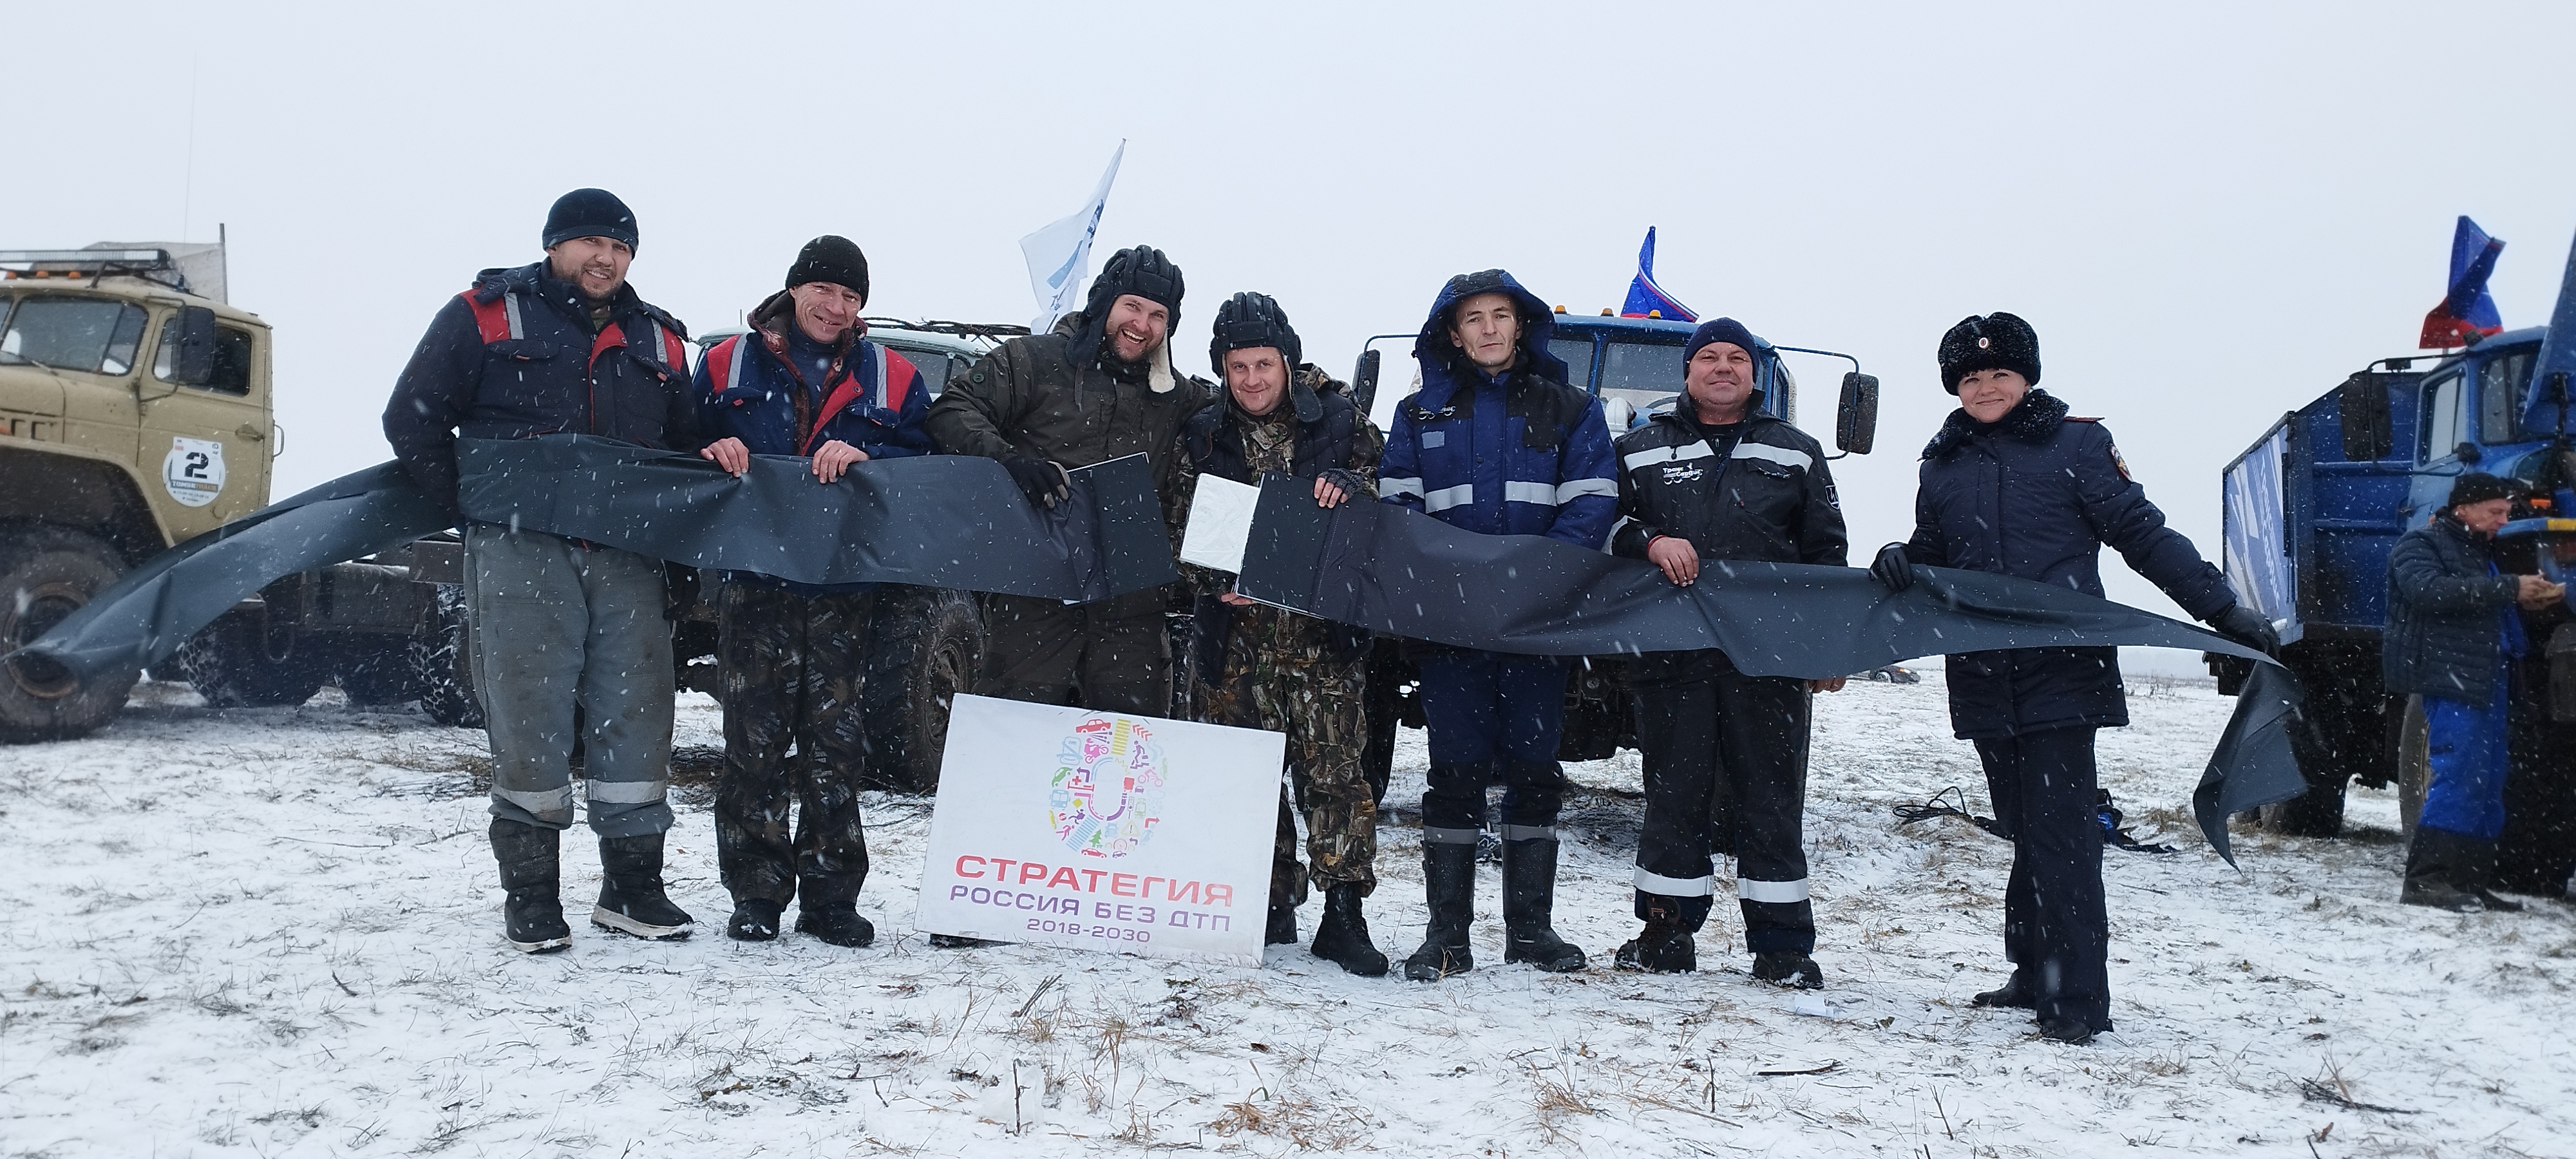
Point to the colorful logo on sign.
(1107, 795)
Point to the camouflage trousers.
(790, 669)
(1296, 687)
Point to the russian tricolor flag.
(1645, 297)
(2467, 313)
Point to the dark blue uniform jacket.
(2036, 495)
(1522, 455)
(2451, 616)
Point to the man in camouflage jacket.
(1255, 666)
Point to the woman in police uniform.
(2013, 484)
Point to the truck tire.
(923, 654)
(238, 662)
(442, 663)
(2341, 731)
(2414, 765)
(377, 670)
(46, 574)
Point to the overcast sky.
(2211, 213)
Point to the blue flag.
(1645, 297)
(2467, 311)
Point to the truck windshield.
(1644, 373)
(1576, 353)
(93, 335)
(2444, 421)
(2504, 383)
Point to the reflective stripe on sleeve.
(1515, 491)
(1569, 492)
(1749, 889)
(1662, 886)
(1448, 497)
(1409, 485)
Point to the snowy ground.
(276, 933)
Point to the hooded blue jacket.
(1521, 455)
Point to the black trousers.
(1726, 773)
(2056, 930)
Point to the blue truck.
(2311, 510)
(1634, 365)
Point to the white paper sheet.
(1220, 523)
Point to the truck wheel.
(923, 655)
(46, 575)
(2414, 765)
(443, 665)
(377, 670)
(237, 662)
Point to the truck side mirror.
(1856, 419)
(2369, 429)
(1364, 380)
(192, 352)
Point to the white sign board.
(1102, 831)
(193, 471)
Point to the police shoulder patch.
(2118, 463)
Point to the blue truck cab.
(2312, 509)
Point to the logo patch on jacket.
(1680, 472)
(2120, 463)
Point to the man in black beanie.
(1725, 753)
(562, 344)
(1100, 387)
(790, 657)
(2453, 635)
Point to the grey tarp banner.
(145, 616)
(945, 521)
(935, 521)
(1403, 573)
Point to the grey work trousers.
(552, 625)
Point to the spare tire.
(442, 663)
(46, 574)
(922, 654)
(239, 661)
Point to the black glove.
(2248, 627)
(1349, 482)
(1893, 568)
(1043, 482)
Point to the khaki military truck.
(136, 412)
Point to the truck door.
(2445, 425)
(205, 449)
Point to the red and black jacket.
(871, 398)
(515, 355)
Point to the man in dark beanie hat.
(2014, 485)
(803, 383)
(2453, 635)
(1716, 479)
(562, 344)
(1267, 668)
(1099, 387)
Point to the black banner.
(1404, 573)
(943, 521)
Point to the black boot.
(755, 919)
(1788, 968)
(1661, 948)
(530, 859)
(1529, 898)
(1282, 930)
(1343, 939)
(2477, 872)
(630, 891)
(2071, 1031)
(2014, 993)
(1449, 882)
(2434, 864)
(828, 908)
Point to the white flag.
(1060, 254)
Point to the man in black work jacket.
(562, 344)
(1715, 480)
